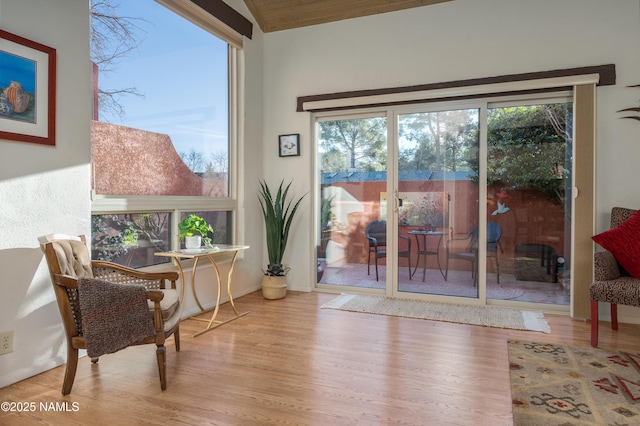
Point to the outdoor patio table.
(218, 252)
(423, 250)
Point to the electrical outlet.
(6, 342)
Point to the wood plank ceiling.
(277, 15)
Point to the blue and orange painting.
(17, 87)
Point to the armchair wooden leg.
(176, 338)
(614, 316)
(161, 354)
(70, 369)
(594, 323)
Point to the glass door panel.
(352, 198)
(438, 185)
(529, 163)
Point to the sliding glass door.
(529, 182)
(465, 200)
(437, 179)
(351, 195)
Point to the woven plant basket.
(274, 287)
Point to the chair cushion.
(73, 258)
(169, 304)
(622, 291)
(624, 243)
(605, 266)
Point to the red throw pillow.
(624, 243)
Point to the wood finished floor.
(290, 362)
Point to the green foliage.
(438, 141)
(326, 215)
(130, 237)
(114, 236)
(278, 214)
(527, 144)
(194, 224)
(354, 144)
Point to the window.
(163, 135)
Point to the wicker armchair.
(470, 252)
(611, 282)
(69, 261)
(376, 233)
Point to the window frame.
(175, 205)
(581, 89)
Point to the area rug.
(555, 384)
(488, 316)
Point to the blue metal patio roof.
(404, 175)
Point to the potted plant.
(278, 214)
(194, 231)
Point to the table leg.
(193, 284)
(233, 263)
(438, 256)
(417, 256)
(213, 322)
(424, 258)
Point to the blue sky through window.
(182, 72)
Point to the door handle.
(397, 200)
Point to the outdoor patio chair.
(613, 269)
(470, 251)
(92, 296)
(376, 233)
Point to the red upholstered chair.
(69, 263)
(612, 283)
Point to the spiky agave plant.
(278, 214)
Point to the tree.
(529, 146)
(194, 160)
(112, 38)
(362, 142)
(218, 166)
(443, 140)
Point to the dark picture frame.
(289, 145)
(28, 90)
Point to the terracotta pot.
(274, 287)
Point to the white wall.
(47, 189)
(43, 189)
(457, 40)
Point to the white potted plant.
(194, 231)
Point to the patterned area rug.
(563, 385)
(463, 314)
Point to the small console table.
(220, 251)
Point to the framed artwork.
(289, 145)
(27, 90)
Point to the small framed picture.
(289, 145)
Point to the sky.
(182, 72)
